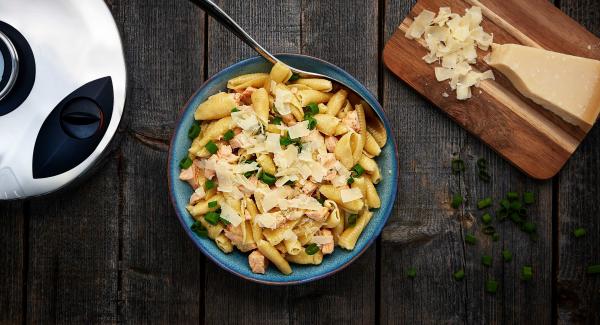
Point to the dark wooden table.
(112, 250)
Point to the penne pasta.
(303, 258)
(371, 145)
(316, 84)
(313, 96)
(260, 104)
(201, 207)
(274, 256)
(255, 80)
(224, 244)
(215, 107)
(280, 73)
(267, 164)
(350, 235)
(335, 103)
(333, 193)
(292, 246)
(326, 124)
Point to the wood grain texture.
(518, 129)
(161, 271)
(276, 25)
(426, 233)
(578, 188)
(300, 27)
(73, 252)
(12, 258)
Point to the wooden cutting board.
(530, 137)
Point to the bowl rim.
(386, 212)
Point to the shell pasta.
(282, 168)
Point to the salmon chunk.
(258, 262)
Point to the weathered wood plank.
(578, 191)
(299, 30)
(161, 270)
(337, 32)
(12, 258)
(276, 25)
(73, 252)
(425, 233)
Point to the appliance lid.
(62, 90)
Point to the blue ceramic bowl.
(236, 262)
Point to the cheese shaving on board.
(453, 40)
(350, 194)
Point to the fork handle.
(223, 18)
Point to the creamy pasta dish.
(282, 168)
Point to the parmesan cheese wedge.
(567, 85)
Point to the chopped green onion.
(457, 200)
(489, 230)
(484, 176)
(491, 286)
(313, 108)
(276, 120)
(459, 275)
(290, 182)
(470, 239)
(528, 197)
(212, 218)
(507, 255)
(515, 205)
(212, 204)
(484, 203)
(411, 273)
(312, 122)
(505, 204)
(209, 184)
(285, 140)
(267, 178)
(350, 180)
(194, 131)
(579, 232)
(486, 218)
(321, 200)
(528, 227)
(593, 269)
(235, 109)
(185, 163)
(249, 174)
(495, 237)
(511, 196)
(225, 222)
(311, 249)
(514, 216)
(352, 220)
(228, 135)
(522, 212)
(458, 166)
(199, 229)
(211, 147)
(486, 260)
(358, 169)
(527, 273)
(294, 77)
(502, 214)
(482, 163)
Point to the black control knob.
(81, 118)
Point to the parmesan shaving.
(228, 213)
(453, 40)
(298, 130)
(350, 194)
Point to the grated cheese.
(267, 220)
(453, 39)
(283, 98)
(230, 214)
(272, 142)
(298, 130)
(322, 240)
(350, 194)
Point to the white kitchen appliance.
(62, 92)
